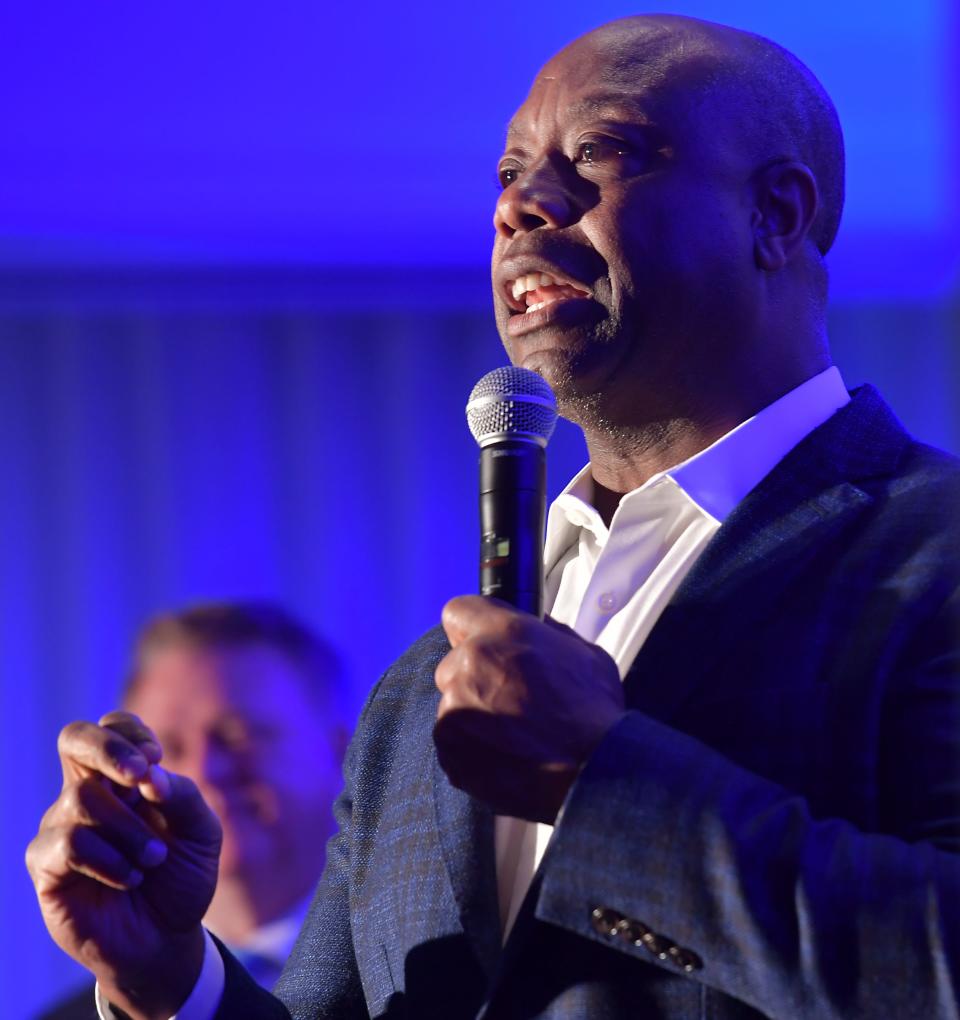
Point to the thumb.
(179, 802)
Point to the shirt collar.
(720, 476)
(275, 939)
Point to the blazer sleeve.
(242, 996)
(668, 851)
(320, 979)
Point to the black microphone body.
(513, 506)
(512, 413)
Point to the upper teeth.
(531, 282)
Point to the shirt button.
(607, 602)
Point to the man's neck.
(622, 461)
(623, 456)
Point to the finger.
(448, 670)
(461, 671)
(58, 853)
(92, 803)
(136, 731)
(184, 811)
(562, 628)
(154, 787)
(472, 752)
(85, 747)
(468, 615)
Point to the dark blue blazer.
(773, 830)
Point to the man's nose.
(215, 764)
(539, 198)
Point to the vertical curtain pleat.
(166, 438)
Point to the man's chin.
(576, 385)
(239, 852)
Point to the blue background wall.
(243, 299)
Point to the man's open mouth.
(537, 290)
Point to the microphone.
(511, 414)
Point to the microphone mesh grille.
(511, 403)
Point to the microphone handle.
(513, 506)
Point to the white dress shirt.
(611, 584)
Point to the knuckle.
(66, 847)
(470, 657)
(83, 799)
(69, 735)
(442, 675)
(52, 813)
(450, 613)
(32, 854)
(122, 721)
(116, 715)
(116, 748)
(515, 627)
(448, 702)
(69, 801)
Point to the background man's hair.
(217, 625)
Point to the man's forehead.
(630, 105)
(643, 86)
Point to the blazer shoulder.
(866, 444)
(405, 694)
(924, 466)
(923, 493)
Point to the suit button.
(632, 931)
(659, 945)
(605, 920)
(685, 959)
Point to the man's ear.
(786, 204)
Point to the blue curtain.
(173, 436)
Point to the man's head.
(682, 182)
(247, 702)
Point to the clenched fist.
(125, 865)
(524, 703)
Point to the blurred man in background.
(249, 703)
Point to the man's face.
(239, 722)
(623, 187)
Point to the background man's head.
(249, 703)
(688, 179)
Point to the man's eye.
(234, 733)
(600, 151)
(506, 175)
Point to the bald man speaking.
(722, 779)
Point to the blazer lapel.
(808, 499)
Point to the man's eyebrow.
(616, 106)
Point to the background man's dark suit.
(78, 1006)
(777, 808)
